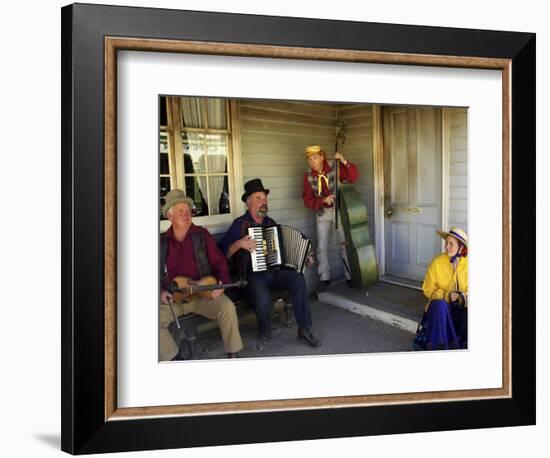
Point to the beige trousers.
(220, 309)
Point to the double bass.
(362, 265)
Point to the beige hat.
(313, 149)
(457, 233)
(175, 196)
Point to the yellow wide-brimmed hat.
(313, 149)
(455, 232)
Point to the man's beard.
(262, 211)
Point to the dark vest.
(239, 263)
(199, 249)
(314, 180)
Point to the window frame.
(174, 130)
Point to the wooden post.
(175, 143)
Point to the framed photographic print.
(430, 129)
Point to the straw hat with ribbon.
(313, 149)
(455, 232)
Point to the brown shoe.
(232, 355)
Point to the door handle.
(389, 211)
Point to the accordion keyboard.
(268, 250)
(258, 257)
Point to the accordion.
(279, 247)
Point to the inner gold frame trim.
(114, 44)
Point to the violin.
(183, 288)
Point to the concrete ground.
(340, 332)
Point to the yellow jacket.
(441, 278)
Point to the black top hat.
(252, 186)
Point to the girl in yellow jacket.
(446, 288)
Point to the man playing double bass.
(190, 251)
(319, 195)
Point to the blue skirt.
(443, 326)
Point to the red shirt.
(348, 174)
(181, 256)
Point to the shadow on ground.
(51, 440)
(340, 332)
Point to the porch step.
(392, 279)
(387, 302)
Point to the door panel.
(428, 244)
(412, 176)
(400, 168)
(400, 242)
(429, 149)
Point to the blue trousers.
(446, 326)
(258, 292)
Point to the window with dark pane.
(164, 167)
(164, 188)
(163, 117)
(194, 148)
(205, 140)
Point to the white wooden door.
(412, 189)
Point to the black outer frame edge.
(67, 413)
(523, 134)
(83, 370)
(83, 427)
(178, 432)
(305, 32)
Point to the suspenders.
(199, 249)
(201, 255)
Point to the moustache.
(262, 210)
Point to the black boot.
(307, 335)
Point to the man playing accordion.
(237, 246)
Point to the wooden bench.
(191, 325)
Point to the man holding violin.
(190, 252)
